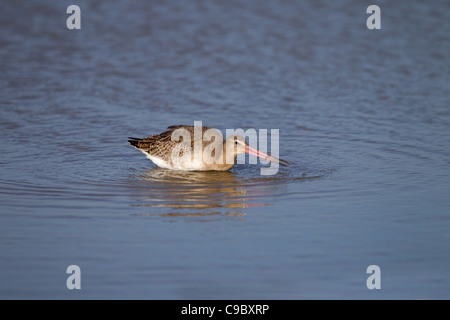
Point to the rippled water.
(364, 117)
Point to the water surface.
(364, 117)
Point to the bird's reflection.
(194, 193)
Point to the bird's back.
(161, 145)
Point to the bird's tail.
(135, 142)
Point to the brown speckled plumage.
(170, 154)
(159, 145)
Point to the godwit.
(167, 152)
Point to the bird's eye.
(236, 142)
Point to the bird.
(183, 147)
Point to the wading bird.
(185, 148)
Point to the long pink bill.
(264, 156)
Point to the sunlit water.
(364, 117)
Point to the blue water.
(364, 118)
